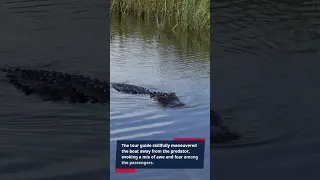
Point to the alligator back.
(58, 86)
(130, 89)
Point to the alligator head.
(167, 99)
(219, 132)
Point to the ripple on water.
(160, 67)
(264, 72)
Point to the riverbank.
(174, 14)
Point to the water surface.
(142, 56)
(43, 140)
(265, 82)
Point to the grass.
(175, 14)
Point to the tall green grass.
(183, 14)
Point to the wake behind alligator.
(219, 132)
(58, 86)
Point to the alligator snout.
(167, 99)
(175, 102)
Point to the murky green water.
(163, 61)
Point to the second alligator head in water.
(219, 132)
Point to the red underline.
(189, 139)
(125, 170)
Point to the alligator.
(165, 99)
(219, 133)
(58, 86)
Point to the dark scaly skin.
(165, 99)
(58, 86)
(130, 89)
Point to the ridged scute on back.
(130, 89)
(58, 86)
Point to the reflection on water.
(265, 82)
(141, 56)
(191, 43)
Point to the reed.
(182, 14)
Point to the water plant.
(175, 14)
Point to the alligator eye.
(173, 94)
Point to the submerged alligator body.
(165, 99)
(219, 132)
(58, 86)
